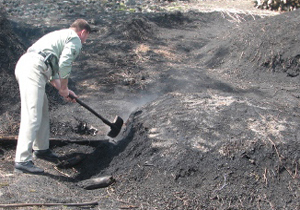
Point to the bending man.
(48, 59)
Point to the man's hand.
(62, 86)
(73, 95)
(66, 92)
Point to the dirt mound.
(138, 29)
(10, 49)
(268, 45)
(202, 160)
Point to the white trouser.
(32, 75)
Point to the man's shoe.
(46, 155)
(27, 167)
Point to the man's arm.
(56, 83)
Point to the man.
(49, 59)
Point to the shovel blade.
(116, 127)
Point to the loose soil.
(209, 95)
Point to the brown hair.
(81, 24)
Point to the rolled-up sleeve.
(70, 52)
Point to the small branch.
(15, 138)
(270, 203)
(296, 171)
(290, 173)
(265, 177)
(224, 184)
(128, 207)
(4, 137)
(93, 203)
(67, 175)
(274, 145)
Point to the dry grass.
(168, 53)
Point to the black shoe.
(46, 155)
(27, 167)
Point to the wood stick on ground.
(296, 171)
(67, 175)
(265, 177)
(6, 137)
(93, 203)
(224, 184)
(274, 145)
(128, 207)
(15, 138)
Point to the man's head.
(82, 28)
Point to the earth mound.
(230, 152)
(261, 45)
(10, 49)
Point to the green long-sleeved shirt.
(65, 45)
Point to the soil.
(209, 95)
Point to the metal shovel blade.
(116, 127)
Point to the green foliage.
(278, 5)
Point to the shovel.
(115, 126)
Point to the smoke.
(132, 104)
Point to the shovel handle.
(91, 110)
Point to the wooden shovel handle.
(91, 110)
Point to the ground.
(209, 96)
